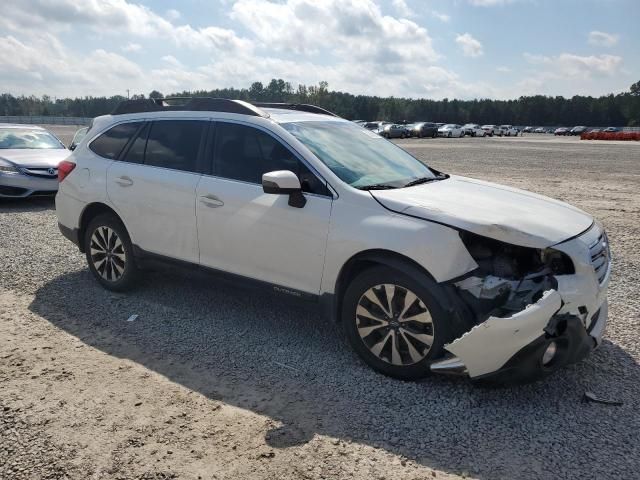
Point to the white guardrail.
(45, 120)
(56, 120)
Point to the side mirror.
(284, 182)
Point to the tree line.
(619, 110)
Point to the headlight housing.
(514, 262)
(7, 167)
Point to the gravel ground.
(215, 382)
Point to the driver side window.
(246, 153)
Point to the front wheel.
(109, 253)
(394, 322)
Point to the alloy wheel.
(107, 254)
(394, 324)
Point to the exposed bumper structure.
(513, 348)
(563, 326)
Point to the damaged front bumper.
(563, 326)
(486, 352)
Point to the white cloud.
(132, 47)
(401, 8)
(503, 69)
(443, 17)
(603, 39)
(113, 17)
(173, 14)
(469, 45)
(567, 64)
(356, 29)
(350, 43)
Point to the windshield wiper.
(421, 180)
(377, 186)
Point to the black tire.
(449, 134)
(116, 270)
(427, 293)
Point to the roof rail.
(188, 104)
(302, 107)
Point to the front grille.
(600, 256)
(41, 172)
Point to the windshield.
(25, 139)
(357, 156)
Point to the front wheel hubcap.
(107, 254)
(394, 324)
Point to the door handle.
(211, 200)
(124, 181)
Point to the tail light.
(64, 169)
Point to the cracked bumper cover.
(517, 343)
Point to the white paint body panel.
(283, 179)
(495, 211)
(158, 208)
(258, 235)
(488, 346)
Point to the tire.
(449, 134)
(374, 341)
(117, 270)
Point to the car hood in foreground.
(32, 157)
(495, 211)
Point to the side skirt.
(146, 259)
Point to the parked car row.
(562, 131)
(432, 130)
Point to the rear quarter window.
(111, 143)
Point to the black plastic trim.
(72, 234)
(194, 104)
(149, 259)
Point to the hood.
(35, 157)
(503, 213)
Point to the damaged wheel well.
(446, 294)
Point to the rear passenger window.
(174, 144)
(246, 153)
(139, 145)
(110, 143)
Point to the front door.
(243, 230)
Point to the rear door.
(153, 186)
(243, 230)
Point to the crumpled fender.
(488, 346)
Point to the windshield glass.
(26, 139)
(357, 156)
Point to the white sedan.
(451, 130)
(509, 130)
(474, 130)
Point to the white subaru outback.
(425, 271)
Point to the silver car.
(29, 158)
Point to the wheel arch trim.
(89, 212)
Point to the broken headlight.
(512, 261)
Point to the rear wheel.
(394, 322)
(109, 253)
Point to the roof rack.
(210, 104)
(302, 107)
(188, 104)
